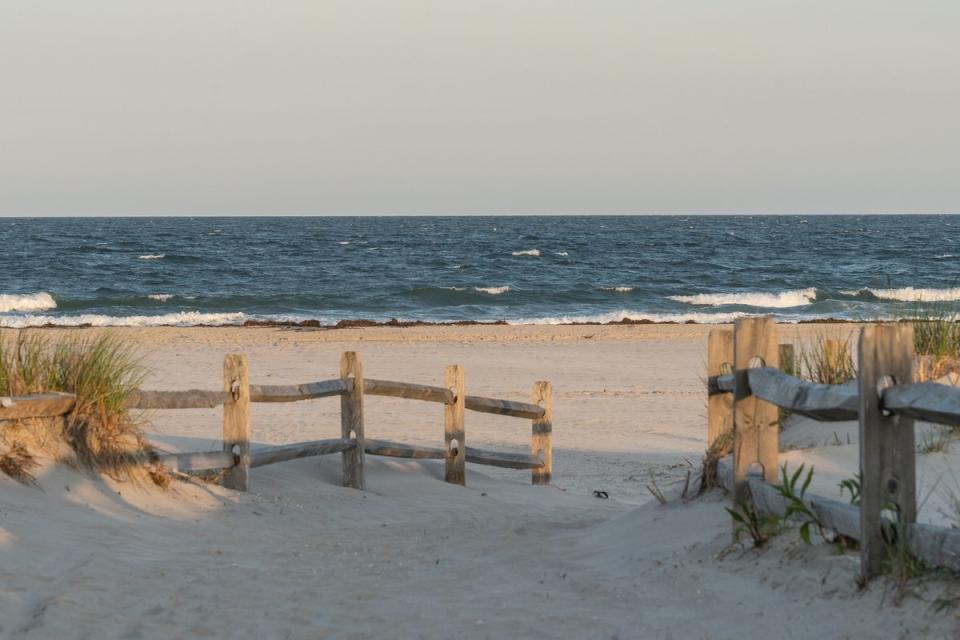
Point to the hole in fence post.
(884, 383)
(726, 369)
(755, 471)
(454, 447)
(756, 362)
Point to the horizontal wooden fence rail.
(38, 405)
(200, 399)
(477, 456)
(928, 401)
(883, 399)
(237, 456)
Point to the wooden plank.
(37, 405)
(271, 455)
(197, 461)
(541, 443)
(719, 362)
(504, 460)
(887, 447)
(454, 432)
(297, 392)
(504, 407)
(473, 456)
(937, 546)
(190, 399)
(929, 401)
(351, 419)
(407, 390)
(824, 402)
(236, 421)
(756, 423)
(400, 450)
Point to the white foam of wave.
(161, 297)
(152, 256)
(494, 291)
(780, 300)
(40, 301)
(528, 252)
(911, 294)
(344, 242)
(455, 288)
(183, 319)
(562, 253)
(618, 289)
(618, 316)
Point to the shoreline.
(363, 323)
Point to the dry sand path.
(413, 557)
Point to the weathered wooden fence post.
(887, 447)
(454, 433)
(351, 419)
(236, 421)
(756, 424)
(541, 443)
(719, 363)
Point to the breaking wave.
(41, 301)
(910, 294)
(528, 252)
(780, 300)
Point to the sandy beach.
(299, 556)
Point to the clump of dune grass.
(721, 447)
(828, 359)
(936, 339)
(17, 462)
(102, 370)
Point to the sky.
(210, 107)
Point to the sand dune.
(302, 557)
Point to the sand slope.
(413, 557)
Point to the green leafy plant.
(747, 520)
(852, 486)
(797, 508)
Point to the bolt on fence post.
(236, 421)
(351, 419)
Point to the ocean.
(524, 269)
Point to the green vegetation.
(826, 360)
(794, 497)
(747, 520)
(852, 486)
(101, 370)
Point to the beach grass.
(827, 359)
(102, 370)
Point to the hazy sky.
(480, 106)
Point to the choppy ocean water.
(540, 269)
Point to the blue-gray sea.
(524, 269)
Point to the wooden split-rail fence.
(745, 389)
(237, 457)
